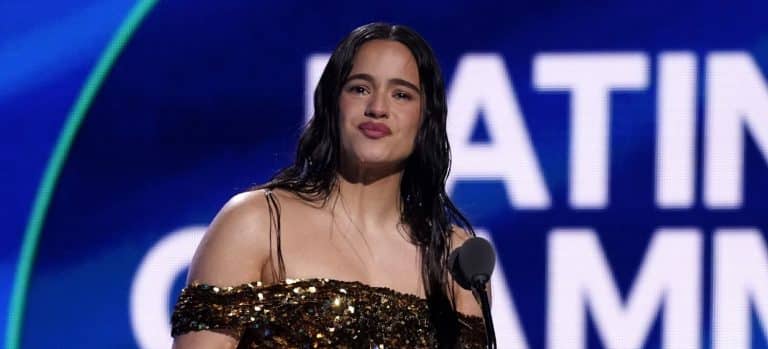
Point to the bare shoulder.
(458, 236)
(292, 200)
(236, 244)
(232, 252)
(465, 300)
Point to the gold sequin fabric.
(315, 313)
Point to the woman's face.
(380, 105)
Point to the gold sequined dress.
(315, 313)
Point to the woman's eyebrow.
(361, 76)
(393, 81)
(406, 83)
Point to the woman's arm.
(233, 251)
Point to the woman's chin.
(369, 159)
(378, 162)
(375, 163)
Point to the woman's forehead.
(385, 59)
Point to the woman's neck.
(370, 198)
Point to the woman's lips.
(374, 130)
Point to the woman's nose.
(377, 106)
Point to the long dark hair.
(426, 209)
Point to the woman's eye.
(360, 90)
(403, 96)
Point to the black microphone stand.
(478, 288)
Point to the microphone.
(471, 266)
(472, 262)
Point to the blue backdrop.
(127, 124)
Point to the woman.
(350, 242)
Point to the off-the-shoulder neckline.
(291, 281)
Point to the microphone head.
(472, 262)
(453, 267)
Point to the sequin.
(315, 313)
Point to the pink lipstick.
(374, 130)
